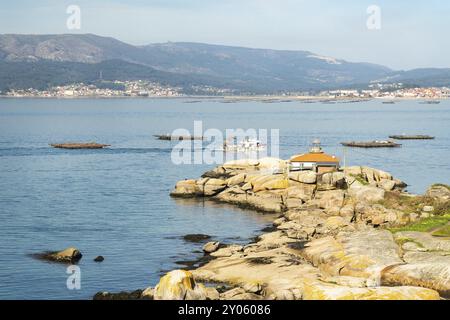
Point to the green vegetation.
(407, 204)
(437, 223)
(442, 208)
(401, 241)
(425, 225)
(109, 85)
(44, 74)
(360, 178)
(442, 232)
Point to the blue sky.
(413, 33)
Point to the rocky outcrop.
(253, 184)
(275, 268)
(329, 241)
(357, 254)
(367, 194)
(424, 269)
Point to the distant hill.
(424, 77)
(44, 60)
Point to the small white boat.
(246, 145)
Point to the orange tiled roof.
(314, 157)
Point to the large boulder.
(374, 175)
(329, 199)
(276, 184)
(353, 171)
(376, 214)
(219, 173)
(213, 187)
(332, 180)
(302, 191)
(358, 254)
(266, 201)
(268, 182)
(387, 185)
(271, 163)
(367, 194)
(179, 285)
(424, 269)
(241, 164)
(303, 176)
(361, 176)
(236, 180)
(440, 192)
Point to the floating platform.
(78, 145)
(170, 137)
(411, 137)
(388, 102)
(430, 102)
(371, 144)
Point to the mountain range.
(40, 61)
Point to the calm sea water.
(115, 202)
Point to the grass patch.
(402, 241)
(442, 232)
(442, 208)
(407, 204)
(425, 225)
(360, 178)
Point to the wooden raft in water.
(79, 145)
(371, 144)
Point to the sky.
(411, 34)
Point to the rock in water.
(99, 259)
(124, 295)
(196, 237)
(69, 255)
(179, 285)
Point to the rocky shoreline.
(350, 234)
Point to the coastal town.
(138, 88)
(392, 92)
(142, 89)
